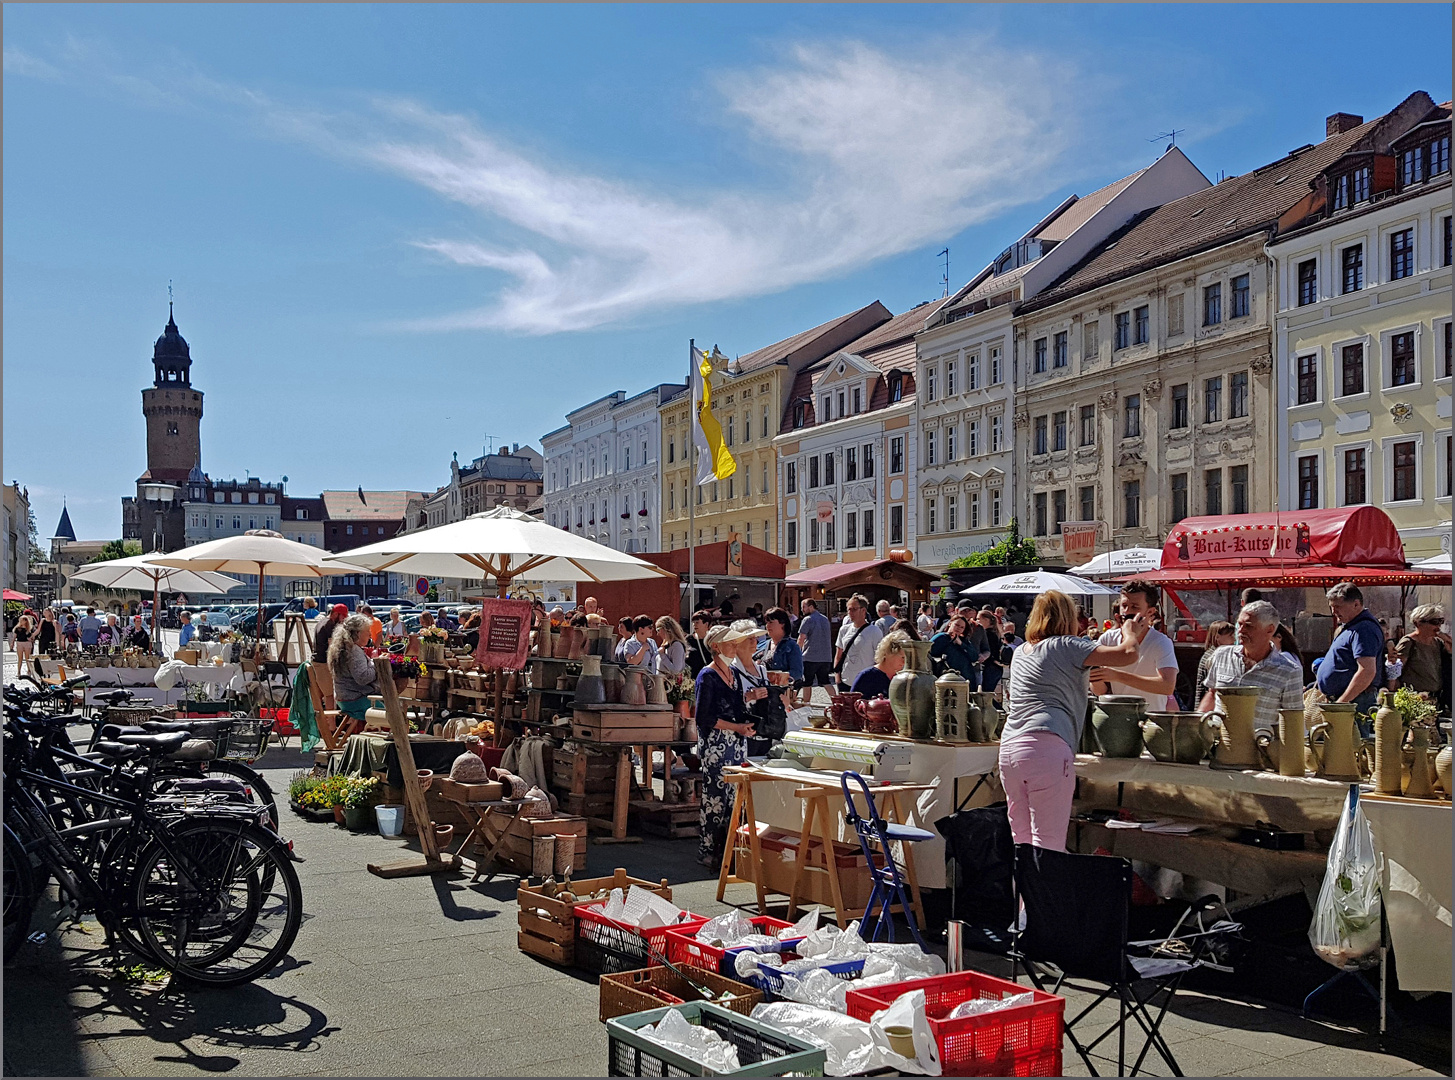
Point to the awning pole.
(692, 487)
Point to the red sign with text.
(1281, 542)
(504, 634)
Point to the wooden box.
(600, 770)
(637, 991)
(488, 791)
(623, 725)
(854, 879)
(548, 926)
(515, 850)
(188, 656)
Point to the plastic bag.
(1345, 927)
(693, 1041)
(979, 1006)
(849, 1047)
(907, 1011)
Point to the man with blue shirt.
(188, 630)
(816, 639)
(90, 628)
(1353, 668)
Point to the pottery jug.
(1388, 755)
(1180, 737)
(877, 716)
(912, 692)
(1088, 734)
(612, 679)
(1285, 750)
(1237, 746)
(1417, 784)
(590, 688)
(985, 720)
(1335, 742)
(1443, 761)
(842, 711)
(1117, 719)
(952, 707)
(633, 693)
(656, 687)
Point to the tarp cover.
(1347, 536)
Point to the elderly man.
(886, 619)
(1253, 661)
(857, 642)
(1353, 668)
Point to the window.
(302, 515)
(1308, 483)
(995, 376)
(1040, 513)
(748, 535)
(896, 388)
(929, 447)
(1058, 350)
(995, 509)
(896, 524)
(765, 478)
(828, 410)
(858, 400)
(1360, 183)
(791, 541)
(950, 447)
(1237, 395)
(1179, 497)
(1174, 315)
(762, 432)
(949, 379)
(218, 496)
(1212, 305)
(1445, 257)
(1352, 260)
(1132, 504)
(828, 535)
(1058, 431)
(1058, 510)
(1308, 282)
(1141, 325)
(1039, 445)
(1447, 480)
(952, 509)
(1090, 340)
(1212, 400)
(1401, 254)
(1402, 359)
(1123, 334)
(1440, 156)
(995, 434)
(1341, 192)
(1356, 486)
(813, 472)
(851, 530)
(1087, 497)
(1179, 406)
(671, 457)
(868, 461)
(1351, 367)
(1212, 491)
(896, 456)
(1240, 296)
(930, 384)
(800, 415)
(790, 477)
(1088, 425)
(851, 463)
(813, 535)
(866, 532)
(975, 510)
(1446, 361)
(1133, 428)
(828, 469)
(1308, 379)
(1405, 460)
(842, 413)
(1040, 354)
(732, 490)
(1412, 166)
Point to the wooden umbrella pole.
(502, 583)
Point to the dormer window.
(800, 414)
(302, 514)
(896, 388)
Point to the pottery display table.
(1413, 839)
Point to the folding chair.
(274, 675)
(888, 885)
(325, 708)
(1076, 911)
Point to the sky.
(395, 233)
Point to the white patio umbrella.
(504, 544)
(258, 551)
(1120, 563)
(139, 573)
(1034, 582)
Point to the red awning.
(829, 573)
(11, 594)
(1352, 536)
(1293, 577)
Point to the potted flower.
(326, 798)
(432, 644)
(681, 691)
(358, 802)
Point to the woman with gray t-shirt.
(1045, 700)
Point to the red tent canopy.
(1348, 536)
(11, 594)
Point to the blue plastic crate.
(770, 981)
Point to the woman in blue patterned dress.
(723, 727)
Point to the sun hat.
(725, 635)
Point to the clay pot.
(684, 709)
(613, 679)
(1417, 780)
(633, 692)
(338, 815)
(443, 834)
(912, 692)
(1388, 756)
(1335, 742)
(689, 729)
(1237, 745)
(426, 778)
(1117, 720)
(590, 687)
(1443, 761)
(1180, 737)
(842, 711)
(877, 715)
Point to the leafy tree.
(117, 549)
(1011, 550)
(37, 553)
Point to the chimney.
(1341, 122)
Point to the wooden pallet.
(676, 821)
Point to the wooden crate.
(633, 991)
(515, 851)
(488, 791)
(548, 926)
(600, 806)
(854, 879)
(676, 821)
(600, 770)
(620, 725)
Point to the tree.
(37, 554)
(116, 549)
(1011, 550)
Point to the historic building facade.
(1363, 346)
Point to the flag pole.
(691, 481)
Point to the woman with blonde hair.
(23, 634)
(1219, 634)
(354, 675)
(1045, 695)
(671, 646)
(888, 662)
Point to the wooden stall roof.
(837, 576)
(712, 561)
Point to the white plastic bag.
(1345, 927)
(908, 1010)
(693, 1041)
(849, 1047)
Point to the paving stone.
(1348, 1061)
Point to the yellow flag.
(715, 460)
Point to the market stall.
(831, 584)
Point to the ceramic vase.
(1117, 722)
(952, 707)
(1179, 737)
(1388, 755)
(613, 679)
(912, 692)
(633, 693)
(1417, 786)
(590, 687)
(1237, 745)
(1335, 742)
(1443, 761)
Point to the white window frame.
(972, 439)
(1386, 358)
(949, 378)
(972, 371)
(1437, 339)
(997, 434)
(996, 507)
(1293, 490)
(1442, 466)
(930, 373)
(1368, 447)
(1386, 453)
(1336, 372)
(1386, 265)
(997, 366)
(1320, 373)
(951, 447)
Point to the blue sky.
(395, 231)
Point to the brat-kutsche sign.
(504, 634)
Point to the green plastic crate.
(762, 1050)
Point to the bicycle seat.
(112, 732)
(162, 727)
(118, 751)
(159, 745)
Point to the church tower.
(173, 411)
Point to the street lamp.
(163, 495)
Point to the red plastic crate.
(1020, 1041)
(684, 948)
(604, 947)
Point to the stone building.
(1362, 347)
(749, 399)
(1144, 392)
(15, 564)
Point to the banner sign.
(735, 554)
(825, 511)
(504, 634)
(1233, 542)
(1078, 541)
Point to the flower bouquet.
(681, 692)
(359, 798)
(325, 798)
(406, 667)
(432, 643)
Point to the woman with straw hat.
(723, 728)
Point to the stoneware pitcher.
(985, 720)
(589, 688)
(1183, 738)
(1117, 720)
(1237, 746)
(1335, 742)
(912, 693)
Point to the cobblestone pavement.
(421, 976)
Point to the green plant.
(328, 794)
(303, 780)
(1414, 708)
(360, 792)
(1011, 550)
(680, 688)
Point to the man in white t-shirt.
(1154, 676)
(857, 640)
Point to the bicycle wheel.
(258, 787)
(223, 907)
(19, 894)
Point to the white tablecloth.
(930, 763)
(1413, 839)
